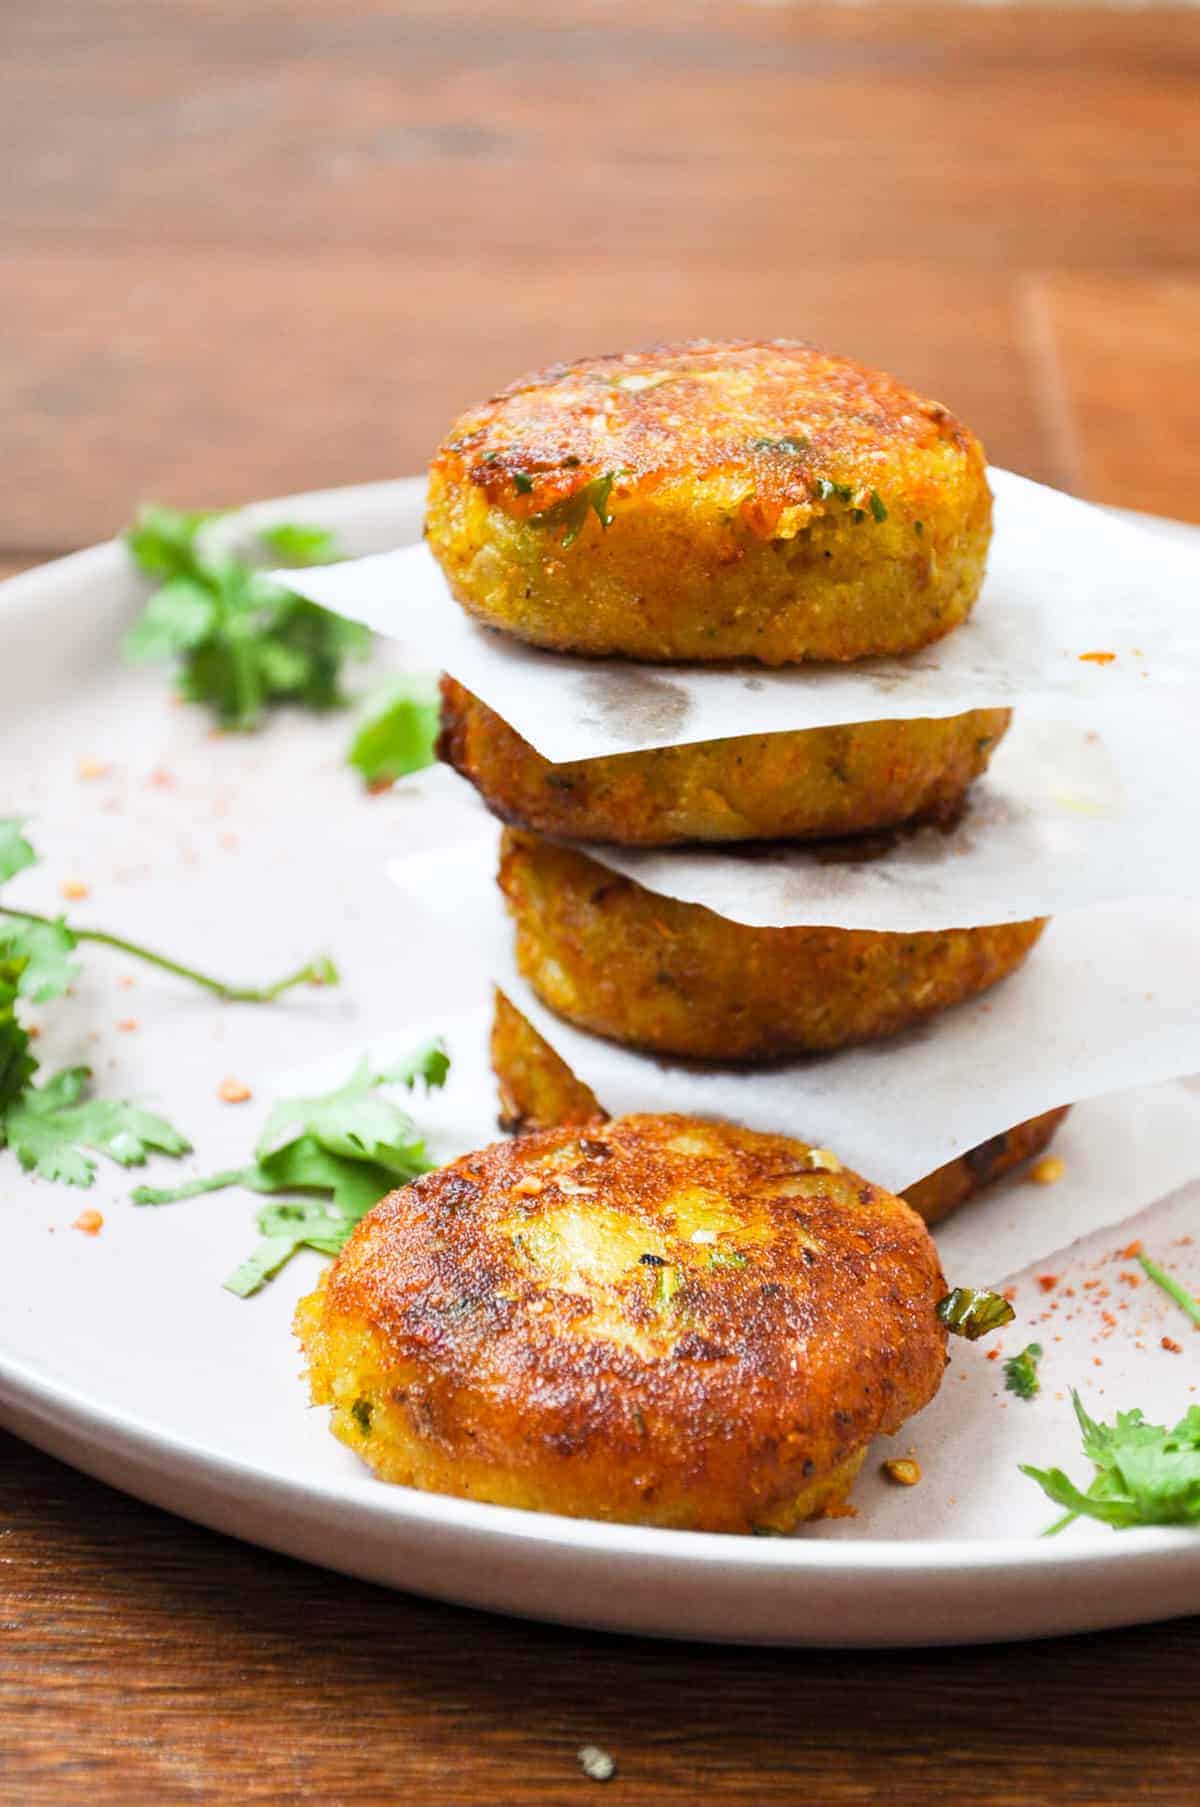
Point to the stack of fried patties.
(757, 503)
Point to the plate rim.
(56, 1404)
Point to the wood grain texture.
(143, 1660)
(250, 246)
(249, 249)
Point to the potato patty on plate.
(944, 1190)
(818, 782)
(663, 1321)
(675, 978)
(538, 1090)
(738, 500)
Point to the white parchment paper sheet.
(1108, 999)
(1064, 819)
(1064, 579)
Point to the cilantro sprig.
(346, 1148)
(399, 737)
(50, 1127)
(1146, 1474)
(242, 643)
(43, 945)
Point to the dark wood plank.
(145, 1661)
(1008, 137)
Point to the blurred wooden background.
(253, 246)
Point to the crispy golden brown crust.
(942, 1192)
(659, 1320)
(713, 501)
(674, 978)
(538, 1090)
(820, 782)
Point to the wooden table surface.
(252, 246)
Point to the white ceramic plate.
(121, 1353)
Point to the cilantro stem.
(213, 1182)
(315, 972)
(1173, 1288)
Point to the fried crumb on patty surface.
(741, 500)
(851, 779)
(669, 977)
(659, 1320)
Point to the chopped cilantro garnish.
(399, 738)
(241, 642)
(726, 1258)
(522, 482)
(792, 444)
(1145, 1474)
(972, 1314)
(1021, 1372)
(351, 1146)
(826, 489)
(878, 506)
(571, 512)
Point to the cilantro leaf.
(399, 738)
(162, 541)
(430, 1063)
(50, 1126)
(571, 512)
(177, 618)
(1021, 1372)
(42, 950)
(972, 1314)
(15, 851)
(351, 1146)
(242, 643)
(289, 543)
(1145, 1474)
(17, 1065)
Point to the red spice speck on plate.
(1170, 1344)
(1047, 1282)
(1097, 658)
(91, 1222)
